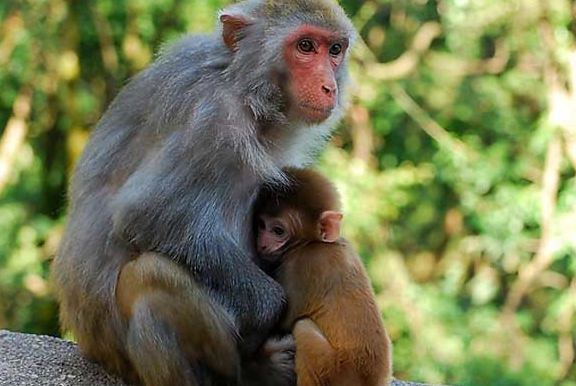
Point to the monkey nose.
(329, 90)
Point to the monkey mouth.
(316, 113)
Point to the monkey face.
(313, 56)
(273, 234)
(292, 227)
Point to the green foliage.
(446, 170)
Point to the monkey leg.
(316, 359)
(154, 350)
(176, 331)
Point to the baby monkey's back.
(339, 333)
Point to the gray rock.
(35, 360)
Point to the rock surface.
(34, 360)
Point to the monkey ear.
(231, 26)
(330, 226)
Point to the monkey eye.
(336, 49)
(278, 231)
(306, 45)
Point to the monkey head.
(306, 211)
(289, 57)
(291, 228)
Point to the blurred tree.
(456, 163)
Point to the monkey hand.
(273, 364)
(280, 352)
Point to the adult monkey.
(155, 274)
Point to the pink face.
(313, 56)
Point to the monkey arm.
(186, 217)
(316, 359)
(219, 264)
(305, 282)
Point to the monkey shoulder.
(342, 253)
(195, 49)
(187, 64)
(321, 262)
(344, 267)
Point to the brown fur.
(309, 192)
(340, 338)
(201, 328)
(332, 313)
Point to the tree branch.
(458, 67)
(104, 33)
(545, 253)
(406, 64)
(362, 133)
(429, 125)
(566, 340)
(10, 30)
(14, 134)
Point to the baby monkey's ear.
(330, 226)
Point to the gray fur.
(174, 166)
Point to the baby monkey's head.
(305, 212)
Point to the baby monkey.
(332, 313)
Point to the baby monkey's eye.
(278, 231)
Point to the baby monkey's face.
(273, 234)
(289, 228)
